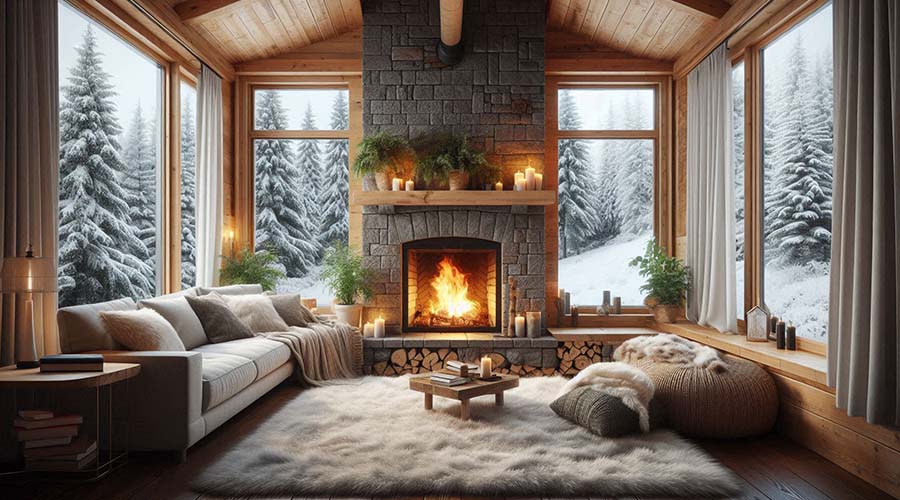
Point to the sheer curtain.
(29, 152)
(710, 199)
(864, 309)
(209, 176)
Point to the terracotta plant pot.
(349, 314)
(665, 313)
(459, 180)
(383, 181)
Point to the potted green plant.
(449, 158)
(667, 283)
(249, 267)
(349, 281)
(381, 156)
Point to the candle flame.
(451, 287)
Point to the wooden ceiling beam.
(712, 8)
(191, 9)
(707, 40)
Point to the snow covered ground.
(799, 294)
(309, 286)
(605, 268)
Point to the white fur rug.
(372, 437)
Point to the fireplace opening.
(451, 285)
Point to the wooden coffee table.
(463, 393)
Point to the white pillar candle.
(529, 179)
(520, 185)
(520, 326)
(517, 176)
(498, 186)
(533, 324)
(538, 182)
(410, 186)
(395, 184)
(368, 329)
(486, 367)
(379, 328)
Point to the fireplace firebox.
(451, 285)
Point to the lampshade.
(27, 274)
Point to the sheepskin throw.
(141, 330)
(672, 349)
(625, 382)
(256, 311)
(372, 438)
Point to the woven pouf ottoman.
(740, 401)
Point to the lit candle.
(379, 328)
(498, 186)
(395, 184)
(368, 329)
(410, 186)
(517, 176)
(520, 326)
(533, 324)
(486, 367)
(529, 179)
(520, 185)
(538, 182)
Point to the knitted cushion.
(738, 402)
(598, 412)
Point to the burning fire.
(451, 288)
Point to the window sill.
(803, 364)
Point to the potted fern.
(349, 281)
(381, 156)
(448, 158)
(249, 267)
(667, 283)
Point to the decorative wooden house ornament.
(757, 324)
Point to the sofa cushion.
(224, 375)
(266, 354)
(181, 315)
(219, 323)
(292, 310)
(80, 327)
(599, 412)
(231, 290)
(190, 292)
(142, 330)
(256, 311)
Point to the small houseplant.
(350, 281)
(382, 156)
(667, 283)
(249, 267)
(449, 158)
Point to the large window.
(797, 173)
(737, 97)
(188, 186)
(301, 179)
(605, 179)
(110, 152)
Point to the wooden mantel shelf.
(453, 198)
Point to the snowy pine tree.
(737, 117)
(100, 256)
(577, 206)
(309, 168)
(282, 223)
(334, 195)
(188, 195)
(636, 174)
(139, 181)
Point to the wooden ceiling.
(652, 29)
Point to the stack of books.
(462, 368)
(448, 379)
(72, 363)
(50, 441)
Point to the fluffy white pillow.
(255, 311)
(141, 330)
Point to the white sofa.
(180, 397)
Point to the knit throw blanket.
(324, 350)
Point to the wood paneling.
(257, 29)
(717, 32)
(342, 54)
(568, 53)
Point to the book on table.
(76, 450)
(46, 432)
(28, 424)
(449, 379)
(42, 443)
(72, 363)
(456, 366)
(35, 414)
(65, 465)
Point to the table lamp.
(27, 275)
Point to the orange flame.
(451, 287)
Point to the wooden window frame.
(245, 134)
(663, 171)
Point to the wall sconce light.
(229, 239)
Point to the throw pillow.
(292, 310)
(231, 290)
(598, 412)
(141, 330)
(255, 311)
(181, 315)
(219, 323)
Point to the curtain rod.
(172, 34)
(745, 23)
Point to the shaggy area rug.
(372, 437)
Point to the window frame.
(663, 173)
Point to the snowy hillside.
(605, 268)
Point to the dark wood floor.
(771, 468)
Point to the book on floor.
(46, 433)
(23, 423)
(42, 443)
(76, 450)
(35, 414)
(48, 465)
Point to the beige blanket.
(324, 351)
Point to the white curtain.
(710, 195)
(209, 177)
